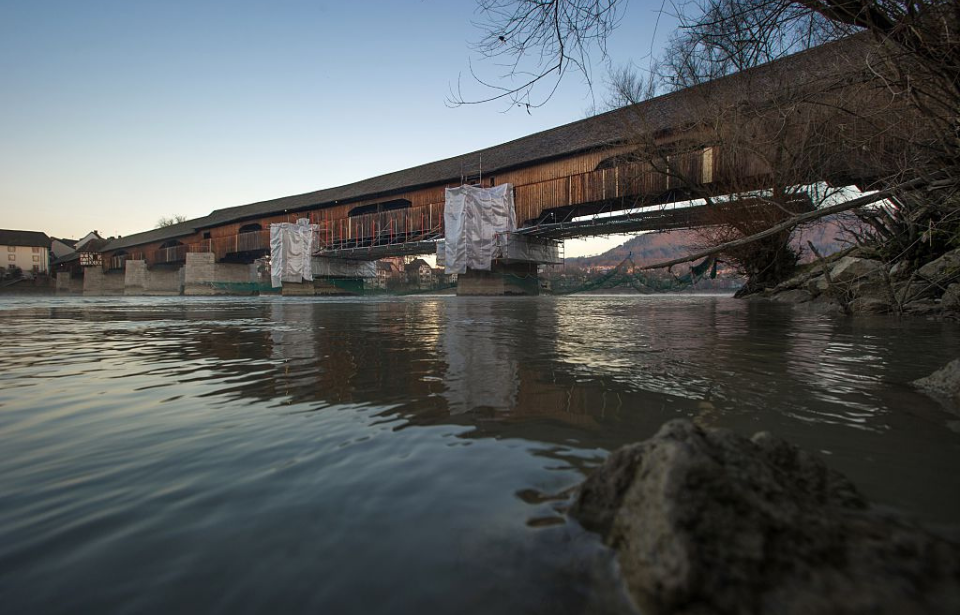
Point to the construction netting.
(627, 273)
(472, 217)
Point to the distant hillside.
(828, 236)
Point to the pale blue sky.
(115, 113)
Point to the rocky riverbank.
(856, 282)
(710, 522)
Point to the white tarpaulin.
(472, 217)
(291, 249)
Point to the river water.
(413, 455)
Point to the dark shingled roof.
(24, 238)
(96, 244)
(66, 258)
(654, 115)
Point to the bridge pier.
(139, 280)
(514, 269)
(68, 283)
(329, 286)
(331, 276)
(98, 282)
(502, 279)
(203, 275)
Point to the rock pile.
(710, 522)
(854, 283)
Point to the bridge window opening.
(377, 208)
(206, 234)
(616, 161)
(250, 228)
(170, 244)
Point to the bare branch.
(542, 41)
(789, 224)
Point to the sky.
(114, 114)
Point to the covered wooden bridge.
(637, 159)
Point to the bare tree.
(754, 149)
(171, 220)
(534, 44)
(885, 118)
(905, 109)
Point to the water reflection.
(235, 440)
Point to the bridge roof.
(604, 130)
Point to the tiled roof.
(24, 238)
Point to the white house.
(26, 250)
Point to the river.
(407, 455)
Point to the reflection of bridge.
(584, 178)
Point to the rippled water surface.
(406, 455)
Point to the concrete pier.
(68, 284)
(203, 275)
(502, 279)
(96, 282)
(331, 287)
(139, 280)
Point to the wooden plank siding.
(566, 183)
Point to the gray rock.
(797, 295)
(796, 281)
(914, 291)
(870, 305)
(817, 285)
(945, 382)
(951, 297)
(926, 307)
(873, 288)
(710, 522)
(945, 267)
(850, 268)
(899, 269)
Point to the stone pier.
(203, 275)
(96, 282)
(502, 279)
(331, 287)
(68, 284)
(514, 269)
(332, 277)
(140, 280)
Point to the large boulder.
(817, 285)
(710, 522)
(944, 268)
(851, 268)
(870, 305)
(908, 291)
(943, 383)
(951, 297)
